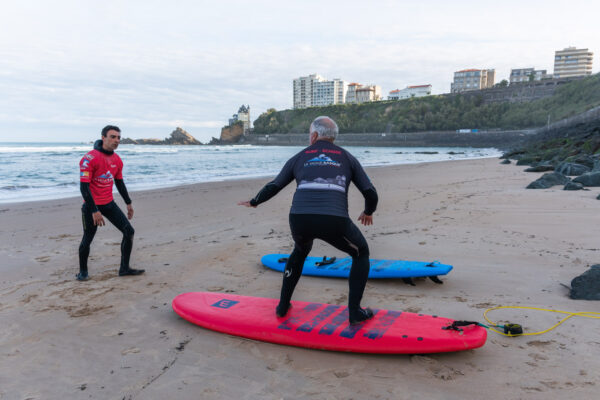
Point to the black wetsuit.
(113, 213)
(323, 172)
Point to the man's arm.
(272, 188)
(84, 188)
(120, 184)
(365, 186)
(371, 200)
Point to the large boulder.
(548, 180)
(589, 179)
(587, 285)
(572, 169)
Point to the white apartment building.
(410, 91)
(472, 79)
(325, 93)
(303, 90)
(518, 75)
(368, 93)
(571, 62)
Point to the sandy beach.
(118, 338)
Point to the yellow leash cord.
(585, 314)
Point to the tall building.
(329, 92)
(351, 92)
(368, 93)
(572, 62)
(303, 90)
(472, 79)
(410, 91)
(518, 75)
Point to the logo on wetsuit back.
(85, 164)
(322, 161)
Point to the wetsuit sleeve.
(84, 187)
(371, 200)
(286, 175)
(122, 190)
(364, 185)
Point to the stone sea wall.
(497, 139)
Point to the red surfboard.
(325, 326)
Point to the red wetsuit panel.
(100, 170)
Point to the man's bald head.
(325, 127)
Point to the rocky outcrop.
(178, 137)
(232, 133)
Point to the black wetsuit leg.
(89, 231)
(339, 232)
(113, 213)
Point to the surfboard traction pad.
(325, 326)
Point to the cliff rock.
(232, 134)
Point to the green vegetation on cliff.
(439, 113)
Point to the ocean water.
(42, 171)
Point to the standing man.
(100, 168)
(323, 172)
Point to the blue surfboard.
(340, 268)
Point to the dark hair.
(110, 128)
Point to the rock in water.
(180, 136)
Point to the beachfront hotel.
(410, 91)
(519, 75)
(314, 90)
(303, 90)
(571, 62)
(472, 79)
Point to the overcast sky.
(67, 68)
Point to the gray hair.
(325, 127)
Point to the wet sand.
(117, 337)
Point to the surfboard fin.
(436, 279)
(325, 261)
(408, 281)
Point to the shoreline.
(115, 337)
(225, 179)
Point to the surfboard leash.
(512, 330)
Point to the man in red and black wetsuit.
(99, 169)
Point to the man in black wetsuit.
(323, 172)
(99, 169)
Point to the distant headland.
(178, 137)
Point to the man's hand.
(98, 219)
(365, 219)
(129, 211)
(246, 203)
